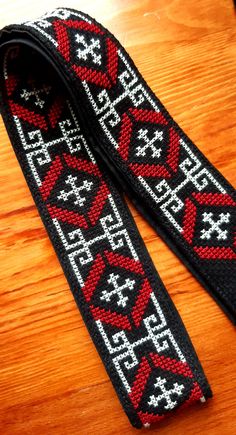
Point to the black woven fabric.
(85, 128)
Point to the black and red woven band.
(85, 127)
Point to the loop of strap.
(85, 128)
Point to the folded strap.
(85, 127)
(179, 192)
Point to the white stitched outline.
(38, 149)
(202, 172)
(194, 173)
(123, 351)
(43, 23)
(113, 231)
(81, 137)
(141, 87)
(45, 34)
(133, 90)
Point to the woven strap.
(85, 127)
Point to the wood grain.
(51, 378)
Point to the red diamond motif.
(155, 118)
(112, 317)
(93, 75)
(143, 373)
(63, 214)
(39, 120)
(190, 219)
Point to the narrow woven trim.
(85, 127)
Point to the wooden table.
(51, 378)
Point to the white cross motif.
(89, 49)
(118, 290)
(35, 93)
(166, 394)
(149, 143)
(75, 190)
(215, 226)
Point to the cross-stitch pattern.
(166, 171)
(127, 310)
